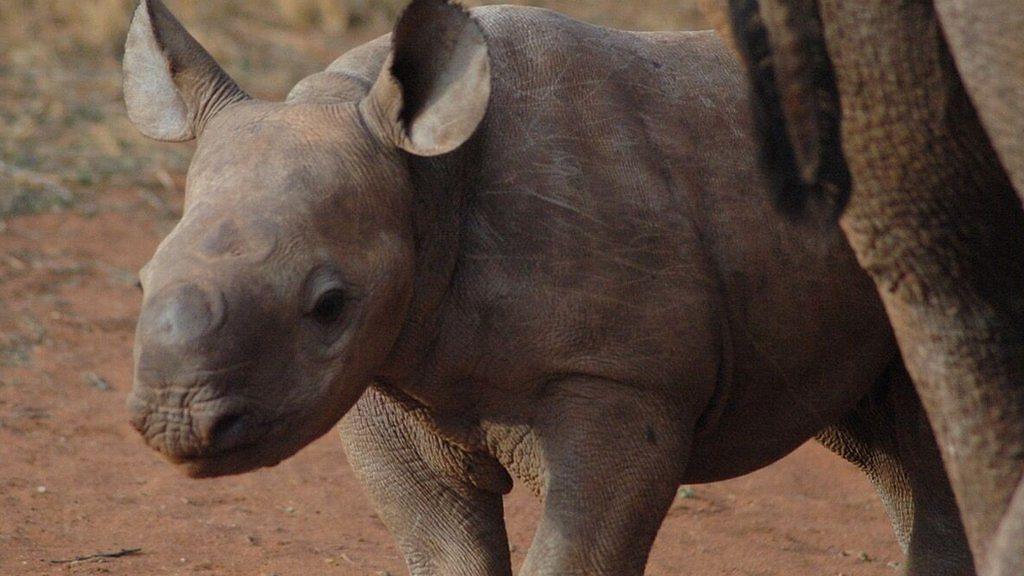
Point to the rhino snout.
(196, 431)
(187, 401)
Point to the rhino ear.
(433, 91)
(172, 86)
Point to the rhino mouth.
(238, 460)
(260, 445)
(213, 438)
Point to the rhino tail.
(795, 104)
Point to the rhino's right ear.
(172, 86)
(434, 88)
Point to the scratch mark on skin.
(544, 198)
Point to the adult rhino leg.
(986, 38)
(932, 217)
(612, 458)
(937, 224)
(442, 504)
(888, 437)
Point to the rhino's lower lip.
(263, 450)
(235, 461)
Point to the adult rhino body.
(520, 246)
(910, 116)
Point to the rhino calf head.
(270, 306)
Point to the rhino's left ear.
(172, 86)
(433, 91)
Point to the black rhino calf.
(508, 245)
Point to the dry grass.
(63, 131)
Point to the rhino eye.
(329, 307)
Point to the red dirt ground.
(75, 480)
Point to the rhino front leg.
(443, 505)
(612, 457)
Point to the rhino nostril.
(228, 431)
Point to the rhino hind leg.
(889, 438)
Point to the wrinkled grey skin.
(512, 246)
(986, 41)
(920, 106)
